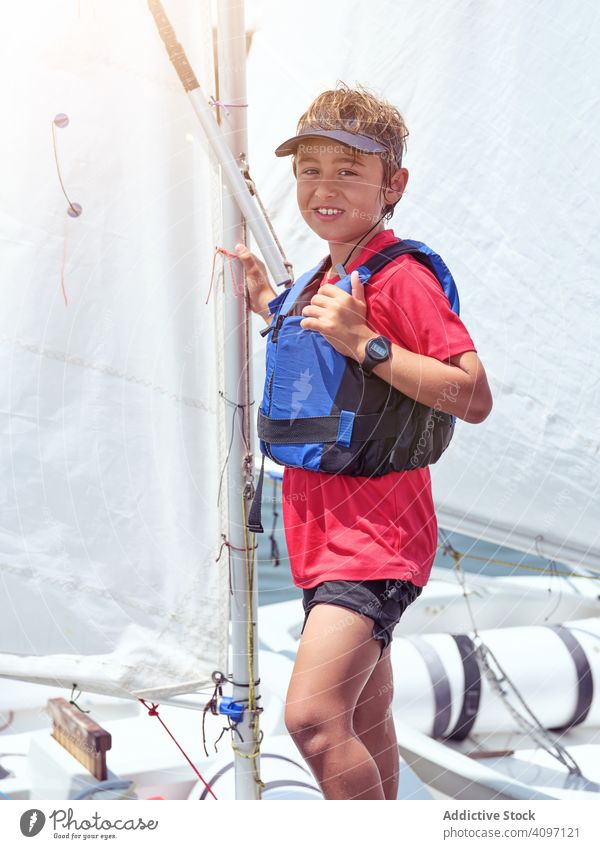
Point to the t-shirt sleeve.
(408, 305)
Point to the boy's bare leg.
(374, 724)
(335, 659)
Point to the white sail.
(109, 524)
(501, 100)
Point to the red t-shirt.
(359, 528)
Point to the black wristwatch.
(378, 350)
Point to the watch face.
(377, 349)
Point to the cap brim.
(362, 143)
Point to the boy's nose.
(324, 191)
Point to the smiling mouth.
(328, 211)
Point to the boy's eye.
(309, 172)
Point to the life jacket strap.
(254, 520)
(380, 259)
(317, 429)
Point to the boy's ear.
(397, 185)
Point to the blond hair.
(358, 110)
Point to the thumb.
(358, 290)
(245, 257)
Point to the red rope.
(153, 712)
(230, 257)
(226, 253)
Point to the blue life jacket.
(320, 412)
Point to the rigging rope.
(446, 547)
(73, 700)
(74, 209)
(227, 255)
(153, 711)
(487, 659)
(254, 191)
(250, 546)
(253, 709)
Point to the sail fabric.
(501, 101)
(109, 523)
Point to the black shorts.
(383, 600)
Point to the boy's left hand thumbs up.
(340, 317)
(358, 290)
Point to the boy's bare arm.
(264, 313)
(458, 386)
(260, 291)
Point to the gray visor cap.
(363, 143)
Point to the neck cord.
(343, 264)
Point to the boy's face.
(339, 190)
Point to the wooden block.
(83, 738)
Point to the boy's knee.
(374, 706)
(312, 728)
(301, 721)
(368, 717)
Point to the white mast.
(237, 357)
(229, 143)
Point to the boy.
(362, 547)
